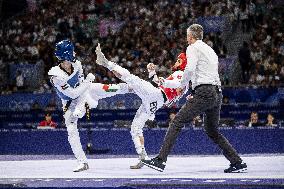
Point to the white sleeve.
(81, 72)
(174, 82)
(191, 56)
(153, 76)
(63, 87)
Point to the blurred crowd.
(29, 38)
(262, 58)
(147, 31)
(135, 33)
(138, 33)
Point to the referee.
(202, 71)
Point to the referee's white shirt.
(202, 65)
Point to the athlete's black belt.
(164, 96)
(66, 107)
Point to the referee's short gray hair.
(196, 31)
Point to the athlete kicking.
(76, 94)
(152, 97)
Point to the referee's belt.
(164, 96)
(218, 88)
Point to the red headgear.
(182, 56)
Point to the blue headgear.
(64, 50)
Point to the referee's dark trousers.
(206, 99)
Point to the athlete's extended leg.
(144, 89)
(98, 91)
(119, 71)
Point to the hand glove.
(161, 80)
(90, 77)
(151, 69)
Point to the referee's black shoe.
(155, 163)
(236, 168)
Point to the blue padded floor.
(264, 171)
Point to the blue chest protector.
(73, 82)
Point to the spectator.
(44, 88)
(251, 15)
(244, 58)
(35, 106)
(119, 105)
(244, 16)
(51, 106)
(254, 122)
(20, 81)
(226, 100)
(170, 118)
(151, 124)
(270, 121)
(197, 121)
(47, 122)
(7, 90)
(234, 16)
